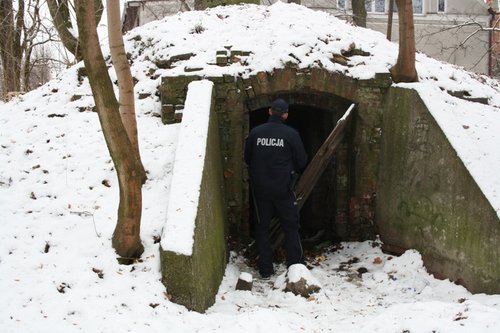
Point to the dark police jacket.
(273, 150)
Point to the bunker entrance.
(324, 213)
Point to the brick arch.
(234, 98)
(319, 100)
(332, 93)
(305, 84)
(324, 214)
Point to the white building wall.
(438, 35)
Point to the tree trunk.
(123, 74)
(19, 35)
(184, 6)
(390, 15)
(200, 4)
(359, 13)
(126, 237)
(59, 10)
(30, 34)
(404, 69)
(60, 15)
(10, 44)
(27, 67)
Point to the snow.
(59, 194)
(294, 274)
(472, 129)
(178, 234)
(347, 113)
(247, 277)
(278, 34)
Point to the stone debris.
(298, 280)
(245, 282)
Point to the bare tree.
(22, 32)
(494, 43)
(10, 43)
(454, 37)
(40, 67)
(35, 37)
(184, 6)
(2, 92)
(200, 4)
(123, 74)
(404, 70)
(126, 237)
(61, 10)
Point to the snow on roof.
(275, 35)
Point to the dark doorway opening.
(326, 204)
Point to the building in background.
(455, 31)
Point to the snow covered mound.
(288, 34)
(298, 280)
(278, 35)
(59, 197)
(274, 35)
(362, 290)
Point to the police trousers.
(284, 206)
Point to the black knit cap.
(279, 105)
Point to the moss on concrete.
(428, 200)
(173, 95)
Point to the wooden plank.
(320, 161)
(314, 170)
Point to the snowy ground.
(58, 201)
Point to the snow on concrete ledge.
(178, 232)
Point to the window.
(418, 7)
(441, 6)
(341, 4)
(375, 6)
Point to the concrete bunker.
(370, 188)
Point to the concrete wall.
(469, 7)
(427, 200)
(405, 180)
(193, 281)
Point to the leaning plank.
(315, 169)
(321, 160)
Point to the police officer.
(274, 152)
